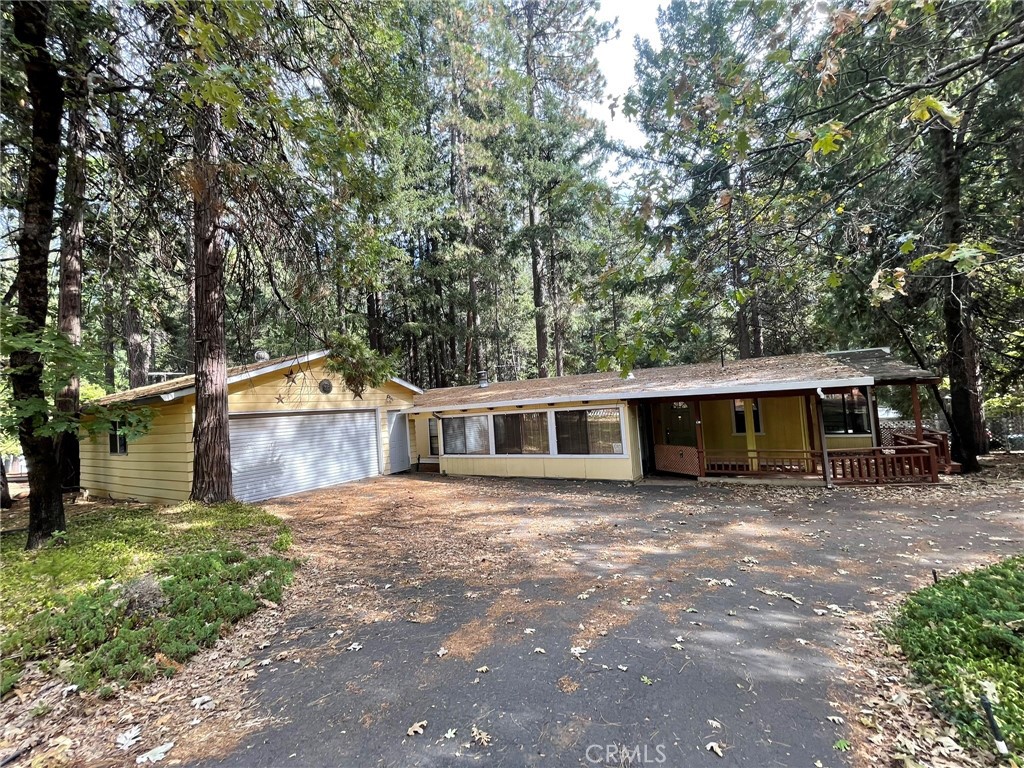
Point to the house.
(798, 416)
(294, 427)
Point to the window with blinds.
(587, 432)
(516, 433)
(466, 435)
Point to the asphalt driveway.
(542, 623)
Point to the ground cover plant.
(964, 637)
(130, 592)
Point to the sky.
(617, 56)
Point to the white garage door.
(279, 455)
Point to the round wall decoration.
(326, 386)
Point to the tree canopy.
(421, 187)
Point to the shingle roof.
(764, 374)
(882, 366)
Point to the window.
(594, 431)
(739, 420)
(521, 433)
(432, 436)
(846, 414)
(118, 442)
(466, 434)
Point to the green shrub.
(73, 609)
(965, 635)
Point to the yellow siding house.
(294, 427)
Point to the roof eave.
(789, 386)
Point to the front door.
(674, 427)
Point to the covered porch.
(830, 435)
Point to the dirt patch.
(567, 685)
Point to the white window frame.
(732, 415)
(552, 436)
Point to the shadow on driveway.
(617, 625)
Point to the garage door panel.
(280, 455)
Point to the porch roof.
(879, 363)
(782, 373)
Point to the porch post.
(876, 427)
(748, 423)
(825, 470)
(698, 423)
(918, 427)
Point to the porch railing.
(939, 439)
(899, 464)
(761, 462)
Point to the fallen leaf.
(836, 719)
(714, 724)
(155, 755)
(450, 733)
(539, 650)
(483, 669)
(129, 738)
(713, 746)
(442, 652)
(416, 728)
(355, 647)
(483, 738)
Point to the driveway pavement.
(591, 624)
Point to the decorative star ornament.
(290, 377)
(280, 399)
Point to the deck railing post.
(933, 463)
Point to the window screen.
(595, 431)
(739, 420)
(466, 434)
(521, 433)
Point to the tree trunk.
(211, 467)
(136, 348)
(46, 92)
(963, 362)
(69, 291)
(540, 309)
(5, 491)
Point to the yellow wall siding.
(157, 467)
(262, 392)
(783, 421)
(623, 468)
(604, 468)
(839, 442)
(419, 439)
